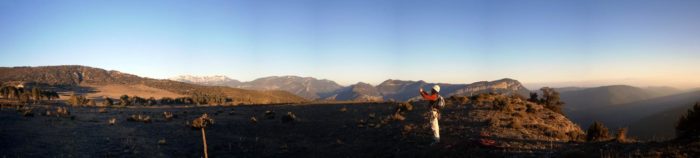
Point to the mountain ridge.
(76, 76)
(391, 89)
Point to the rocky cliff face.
(502, 86)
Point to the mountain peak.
(215, 80)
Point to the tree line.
(34, 95)
(126, 100)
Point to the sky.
(538, 42)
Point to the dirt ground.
(321, 130)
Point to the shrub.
(406, 106)
(621, 135)
(151, 101)
(530, 109)
(688, 125)
(551, 100)
(503, 104)
(77, 100)
(597, 132)
(202, 121)
(534, 98)
(124, 100)
(107, 102)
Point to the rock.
(290, 117)
(140, 118)
(253, 120)
(168, 115)
(269, 114)
(112, 121)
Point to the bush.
(77, 100)
(107, 102)
(551, 100)
(597, 132)
(124, 100)
(688, 125)
(621, 135)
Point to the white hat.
(436, 88)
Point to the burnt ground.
(319, 131)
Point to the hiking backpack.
(440, 102)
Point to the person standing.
(436, 102)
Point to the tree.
(49, 95)
(534, 98)
(151, 101)
(124, 100)
(10, 92)
(688, 125)
(597, 132)
(25, 98)
(36, 94)
(107, 102)
(551, 100)
(77, 100)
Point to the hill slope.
(357, 92)
(601, 97)
(72, 77)
(649, 118)
(307, 87)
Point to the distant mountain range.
(648, 112)
(307, 87)
(397, 90)
(208, 80)
(605, 96)
(73, 77)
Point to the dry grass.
(117, 90)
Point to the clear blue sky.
(534, 41)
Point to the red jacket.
(429, 97)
